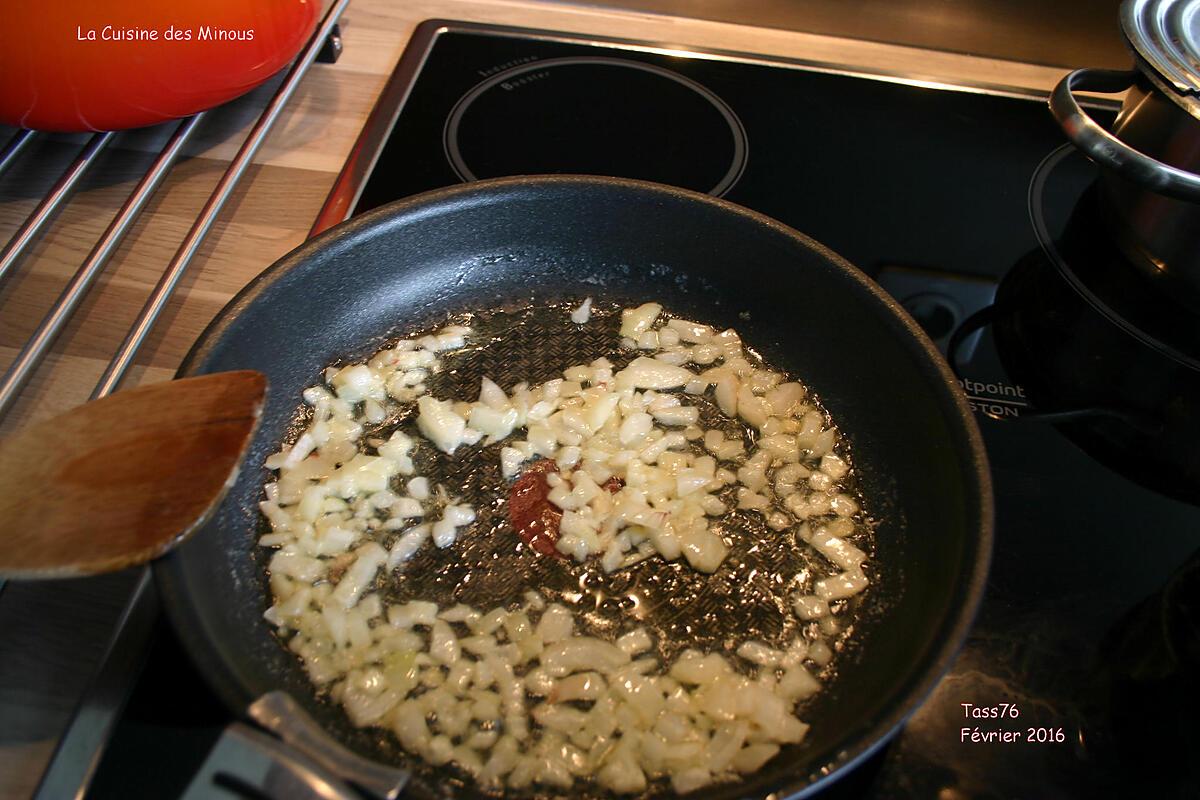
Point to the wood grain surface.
(52, 635)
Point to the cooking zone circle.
(1100, 276)
(541, 116)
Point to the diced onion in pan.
(521, 696)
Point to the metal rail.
(82, 746)
(52, 201)
(8, 156)
(216, 201)
(39, 343)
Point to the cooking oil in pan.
(748, 598)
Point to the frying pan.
(526, 244)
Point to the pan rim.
(948, 638)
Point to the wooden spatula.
(121, 480)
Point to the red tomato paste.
(535, 519)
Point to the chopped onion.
(438, 423)
(649, 373)
(582, 314)
(517, 697)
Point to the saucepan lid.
(1165, 34)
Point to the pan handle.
(245, 762)
(278, 713)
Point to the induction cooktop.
(1079, 677)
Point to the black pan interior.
(537, 241)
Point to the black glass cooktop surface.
(1079, 677)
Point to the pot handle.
(1106, 149)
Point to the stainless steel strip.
(39, 344)
(349, 185)
(81, 748)
(51, 202)
(208, 215)
(19, 141)
(904, 77)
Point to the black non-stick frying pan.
(528, 243)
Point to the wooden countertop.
(54, 633)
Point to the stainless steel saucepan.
(1150, 186)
